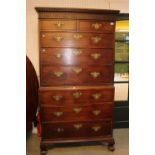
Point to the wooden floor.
(121, 139)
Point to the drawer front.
(76, 56)
(97, 26)
(76, 113)
(57, 25)
(78, 75)
(48, 39)
(75, 96)
(77, 130)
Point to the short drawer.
(69, 130)
(83, 40)
(76, 113)
(57, 25)
(96, 26)
(76, 75)
(76, 56)
(79, 95)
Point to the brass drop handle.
(96, 96)
(77, 70)
(95, 56)
(59, 24)
(58, 74)
(96, 39)
(77, 95)
(58, 55)
(58, 113)
(77, 110)
(96, 128)
(57, 97)
(96, 26)
(60, 130)
(58, 38)
(77, 36)
(77, 126)
(96, 112)
(77, 52)
(95, 74)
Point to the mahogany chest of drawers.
(76, 91)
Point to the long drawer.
(81, 129)
(76, 56)
(75, 95)
(76, 75)
(76, 113)
(63, 39)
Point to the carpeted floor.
(121, 139)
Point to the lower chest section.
(78, 111)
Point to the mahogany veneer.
(67, 95)
(77, 130)
(76, 56)
(76, 91)
(76, 75)
(67, 39)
